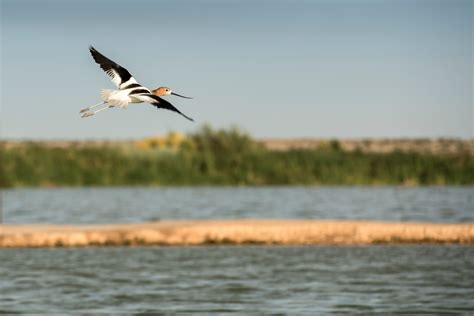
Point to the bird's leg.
(91, 107)
(87, 114)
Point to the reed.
(223, 157)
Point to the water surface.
(112, 205)
(255, 280)
(244, 280)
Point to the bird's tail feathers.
(105, 94)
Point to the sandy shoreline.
(239, 232)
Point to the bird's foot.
(84, 110)
(87, 114)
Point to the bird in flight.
(130, 91)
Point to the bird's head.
(161, 91)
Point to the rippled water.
(250, 280)
(247, 280)
(106, 205)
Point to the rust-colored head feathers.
(161, 91)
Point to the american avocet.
(130, 91)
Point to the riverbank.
(238, 232)
(229, 157)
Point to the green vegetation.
(223, 157)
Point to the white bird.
(130, 91)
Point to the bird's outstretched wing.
(119, 75)
(163, 104)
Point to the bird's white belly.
(118, 98)
(135, 100)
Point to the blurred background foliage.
(222, 157)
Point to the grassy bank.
(223, 157)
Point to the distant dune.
(238, 232)
(422, 145)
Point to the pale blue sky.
(273, 68)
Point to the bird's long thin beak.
(179, 95)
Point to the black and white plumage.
(129, 90)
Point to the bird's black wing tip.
(185, 116)
(163, 104)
